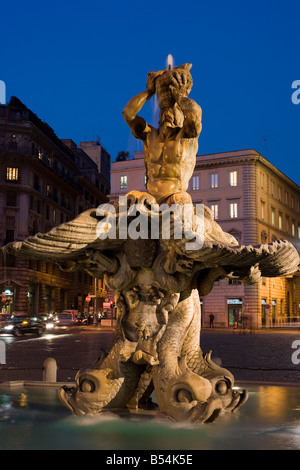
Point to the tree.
(122, 156)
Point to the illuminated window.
(214, 180)
(293, 228)
(123, 182)
(40, 153)
(233, 210)
(273, 216)
(196, 184)
(215, 211)
(298, 231)
(233, 178)
(12, 174)
(263, 207)
(280, 221)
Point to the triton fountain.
(157, 279)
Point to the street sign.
(267, 307)
(106, 304)
(88, 299)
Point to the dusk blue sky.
(77, 63)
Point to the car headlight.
(8, 327)
(49, 326)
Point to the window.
(286, 197)
(49, 190)
(293, 228)
(54, 216)
(262, 180)
(298, 231)
(280, 221)
(263, 209)
(11, 199)
(214, 183)
(287, 221)
(13, 145)
(12, 174)
(215, 211)
(123, 182)
(272, 188)
(10, 221)
(36, 183)
(273, 216)
(196, 184)
(233, 210)
(233, 178)
(10, 236)
(279, 193)
(40, 153)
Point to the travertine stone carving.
(157, 282)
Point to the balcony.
(14, 148)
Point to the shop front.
(7, 301)
(235, 310)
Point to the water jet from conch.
(170, 62)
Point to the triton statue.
(157, 282)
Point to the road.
(263, 356)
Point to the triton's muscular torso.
(169, 160)
(170, 150)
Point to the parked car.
(19, 325)
(64, 320)
(81, 320)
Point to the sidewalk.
(253, 331)
(210, 330)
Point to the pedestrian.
(211, 320)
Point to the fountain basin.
(32, 418)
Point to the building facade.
(44, 182)
(257, 204)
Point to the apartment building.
(255, 202)
(44, 182)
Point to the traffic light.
(112, 304)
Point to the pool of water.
(34, 418)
